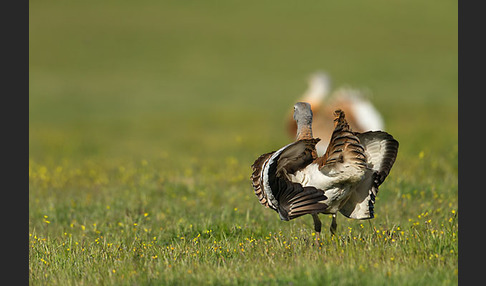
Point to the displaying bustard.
(294, 181)
(361, 114)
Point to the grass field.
(144, 120)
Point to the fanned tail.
(344, 147)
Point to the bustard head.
(303, 113)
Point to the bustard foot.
(333, 225)
(317, 228)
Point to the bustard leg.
(333, 225)
(317, 227)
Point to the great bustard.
(294, 181)
(361, 114)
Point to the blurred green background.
(181, 79)
(145, 117)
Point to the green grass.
(144, 120)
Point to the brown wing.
(296, 156)
(273, 187)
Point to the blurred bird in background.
(360, 113)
